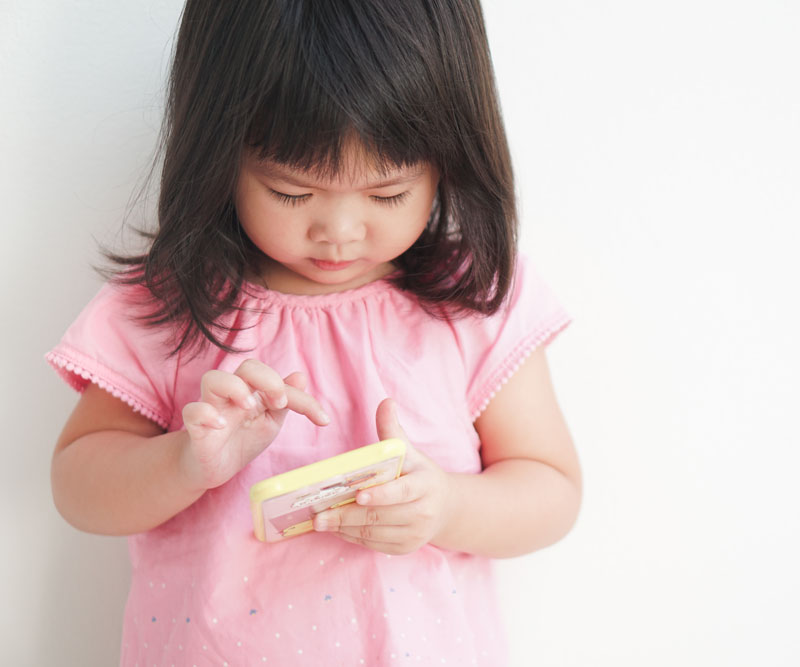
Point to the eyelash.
(291, 200)
(394, 200)
(294, 200)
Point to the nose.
(338, 226)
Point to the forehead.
(353, 166)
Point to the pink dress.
(204, 591)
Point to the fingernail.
(324, 418)
(363, 498)
(221, 421)
(251, 401)
(281, 402)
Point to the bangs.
(334, 79)
(301, 83)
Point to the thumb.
(389, 427)
(386, 421)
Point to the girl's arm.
(529, 493)
(526, 498)
(115, 472)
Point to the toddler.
(334, 263)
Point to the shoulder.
(120, 312)
(110, 345)
(530, 294)
(530, 307)
(493, 347)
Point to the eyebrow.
(275, 171)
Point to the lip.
(330, 266)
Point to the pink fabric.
(204, 591)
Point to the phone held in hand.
(284, 505)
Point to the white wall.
(656, 148)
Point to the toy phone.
(284, 505)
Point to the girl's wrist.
(190, 476)
(450, 509)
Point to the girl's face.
(323, 234)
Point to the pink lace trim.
(78, 377)
(514, 360)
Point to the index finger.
(305, 404)
(277, 393)
(266, 381)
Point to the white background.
(657, 154)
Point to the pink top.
(204, 591)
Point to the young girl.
(334, 264)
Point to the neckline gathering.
(256, 292)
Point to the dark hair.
(294, 80)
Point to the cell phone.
(284, 505)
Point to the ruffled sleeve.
(108, 346)
(494, 347)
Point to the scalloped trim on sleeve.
(513, 361)
(78, 377)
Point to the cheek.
(422, 213)
(406, 227)
(259, 215)
(245, 202)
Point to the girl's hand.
(402, 515)
(238, 416)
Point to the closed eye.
(294, 200)
(291, 200)
(394, 200)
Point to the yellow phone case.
(284, 505)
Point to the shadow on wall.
(87, 580)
